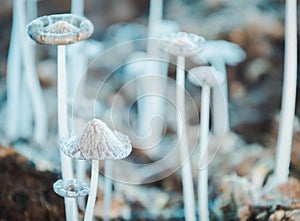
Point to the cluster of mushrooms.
(96, 141)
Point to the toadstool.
(96, 142)
(219, 54)
(206, 77)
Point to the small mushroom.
(60, 29)
(206, 77)
(219, 54)
(96, 142)
(181, 45)
(71, 188)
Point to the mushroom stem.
(220, 119)
(13, 77)
(285, 134)
(77, 7)
(25, 118)
(203, 142)
(66, 162)
(151, 106)
(80, 175)
(89, 211)
(32, 81)
(107, 188)
(187, 178)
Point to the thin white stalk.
(31, 10)
(155, 15)
(107, 189)
(89, 211)
(151, 106)
(203, 142)
(220, 119)
(81, 175)
(77, 61)
(187, 177)
(285, 134)
(25, 117)
(77, 7)
(32, 81)
(66, 162)
(13, 76)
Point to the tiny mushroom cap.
(60, 29)
(182, 44)
(97, 142)
(205, 75)
(71, 188)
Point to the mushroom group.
(61, 30)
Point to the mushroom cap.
(182, 44)
(230, 53)
(71, 188)
(60, 29)
(97, 142)
(205, 75)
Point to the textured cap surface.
(182, 44)
(71, 188)
(97, 142)
(60, 29)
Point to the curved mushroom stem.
(89, 211)
(187, 178)
(107, 189)
(285, 134)
(66, 162)
(203, 142)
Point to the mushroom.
(285, 134)
(183, 45)
(71, 188)
(61, 29)
(218, 54)
(207, 77)
(96, 142)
